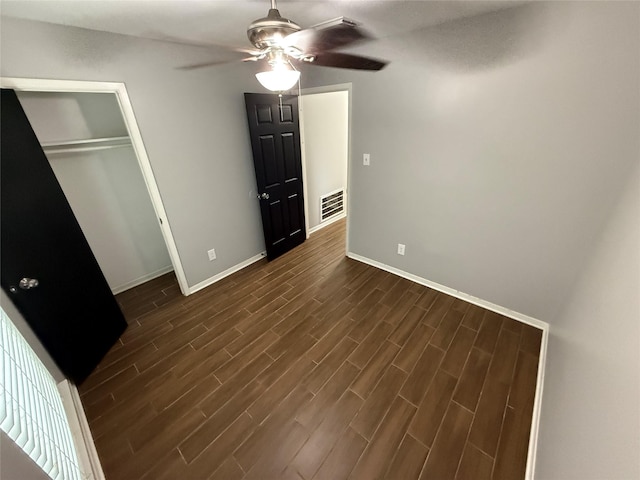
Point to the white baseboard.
(85, 448)
(453, 292)
(327, 223)
(226, 273)
(141, 280)
(537, 407)
(544, 326)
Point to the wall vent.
(331, 205)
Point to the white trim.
(49, 85)
(544, 326)
(83, 440)
(119, 89)
(303, 161)
(349, 88)
(453, 292)
(338, 87)
(152, 186)
(227, 272)
(141, 280)
(537, 407)
(327, 223)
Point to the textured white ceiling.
(224, 22)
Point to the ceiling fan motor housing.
(267, 32)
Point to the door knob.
(264, 196)
(28, 283)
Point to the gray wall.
(498, 147)
(105, 188)
(192, 122)
(502, 148)
(325, 118)
(591, 412)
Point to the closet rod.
(88, 145)
(53, 151)
(87, 141)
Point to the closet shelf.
(89, 145)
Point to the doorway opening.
(325, 132)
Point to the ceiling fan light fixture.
(279, 78)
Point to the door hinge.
(160, 221)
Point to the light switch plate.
(366, 159)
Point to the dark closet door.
(275, 141)
(47, 267)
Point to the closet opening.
(89, 135)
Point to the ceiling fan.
(283, 44)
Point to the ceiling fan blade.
(345, 60)
(250, 51)
(326, 36)
(214, 63)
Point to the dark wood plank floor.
(313, 366)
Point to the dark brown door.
(275, 141)
(71, 309)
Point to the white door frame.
(120, 91)
(341, 87)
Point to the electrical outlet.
(366, 159)
(212, 254)
(401, 248)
